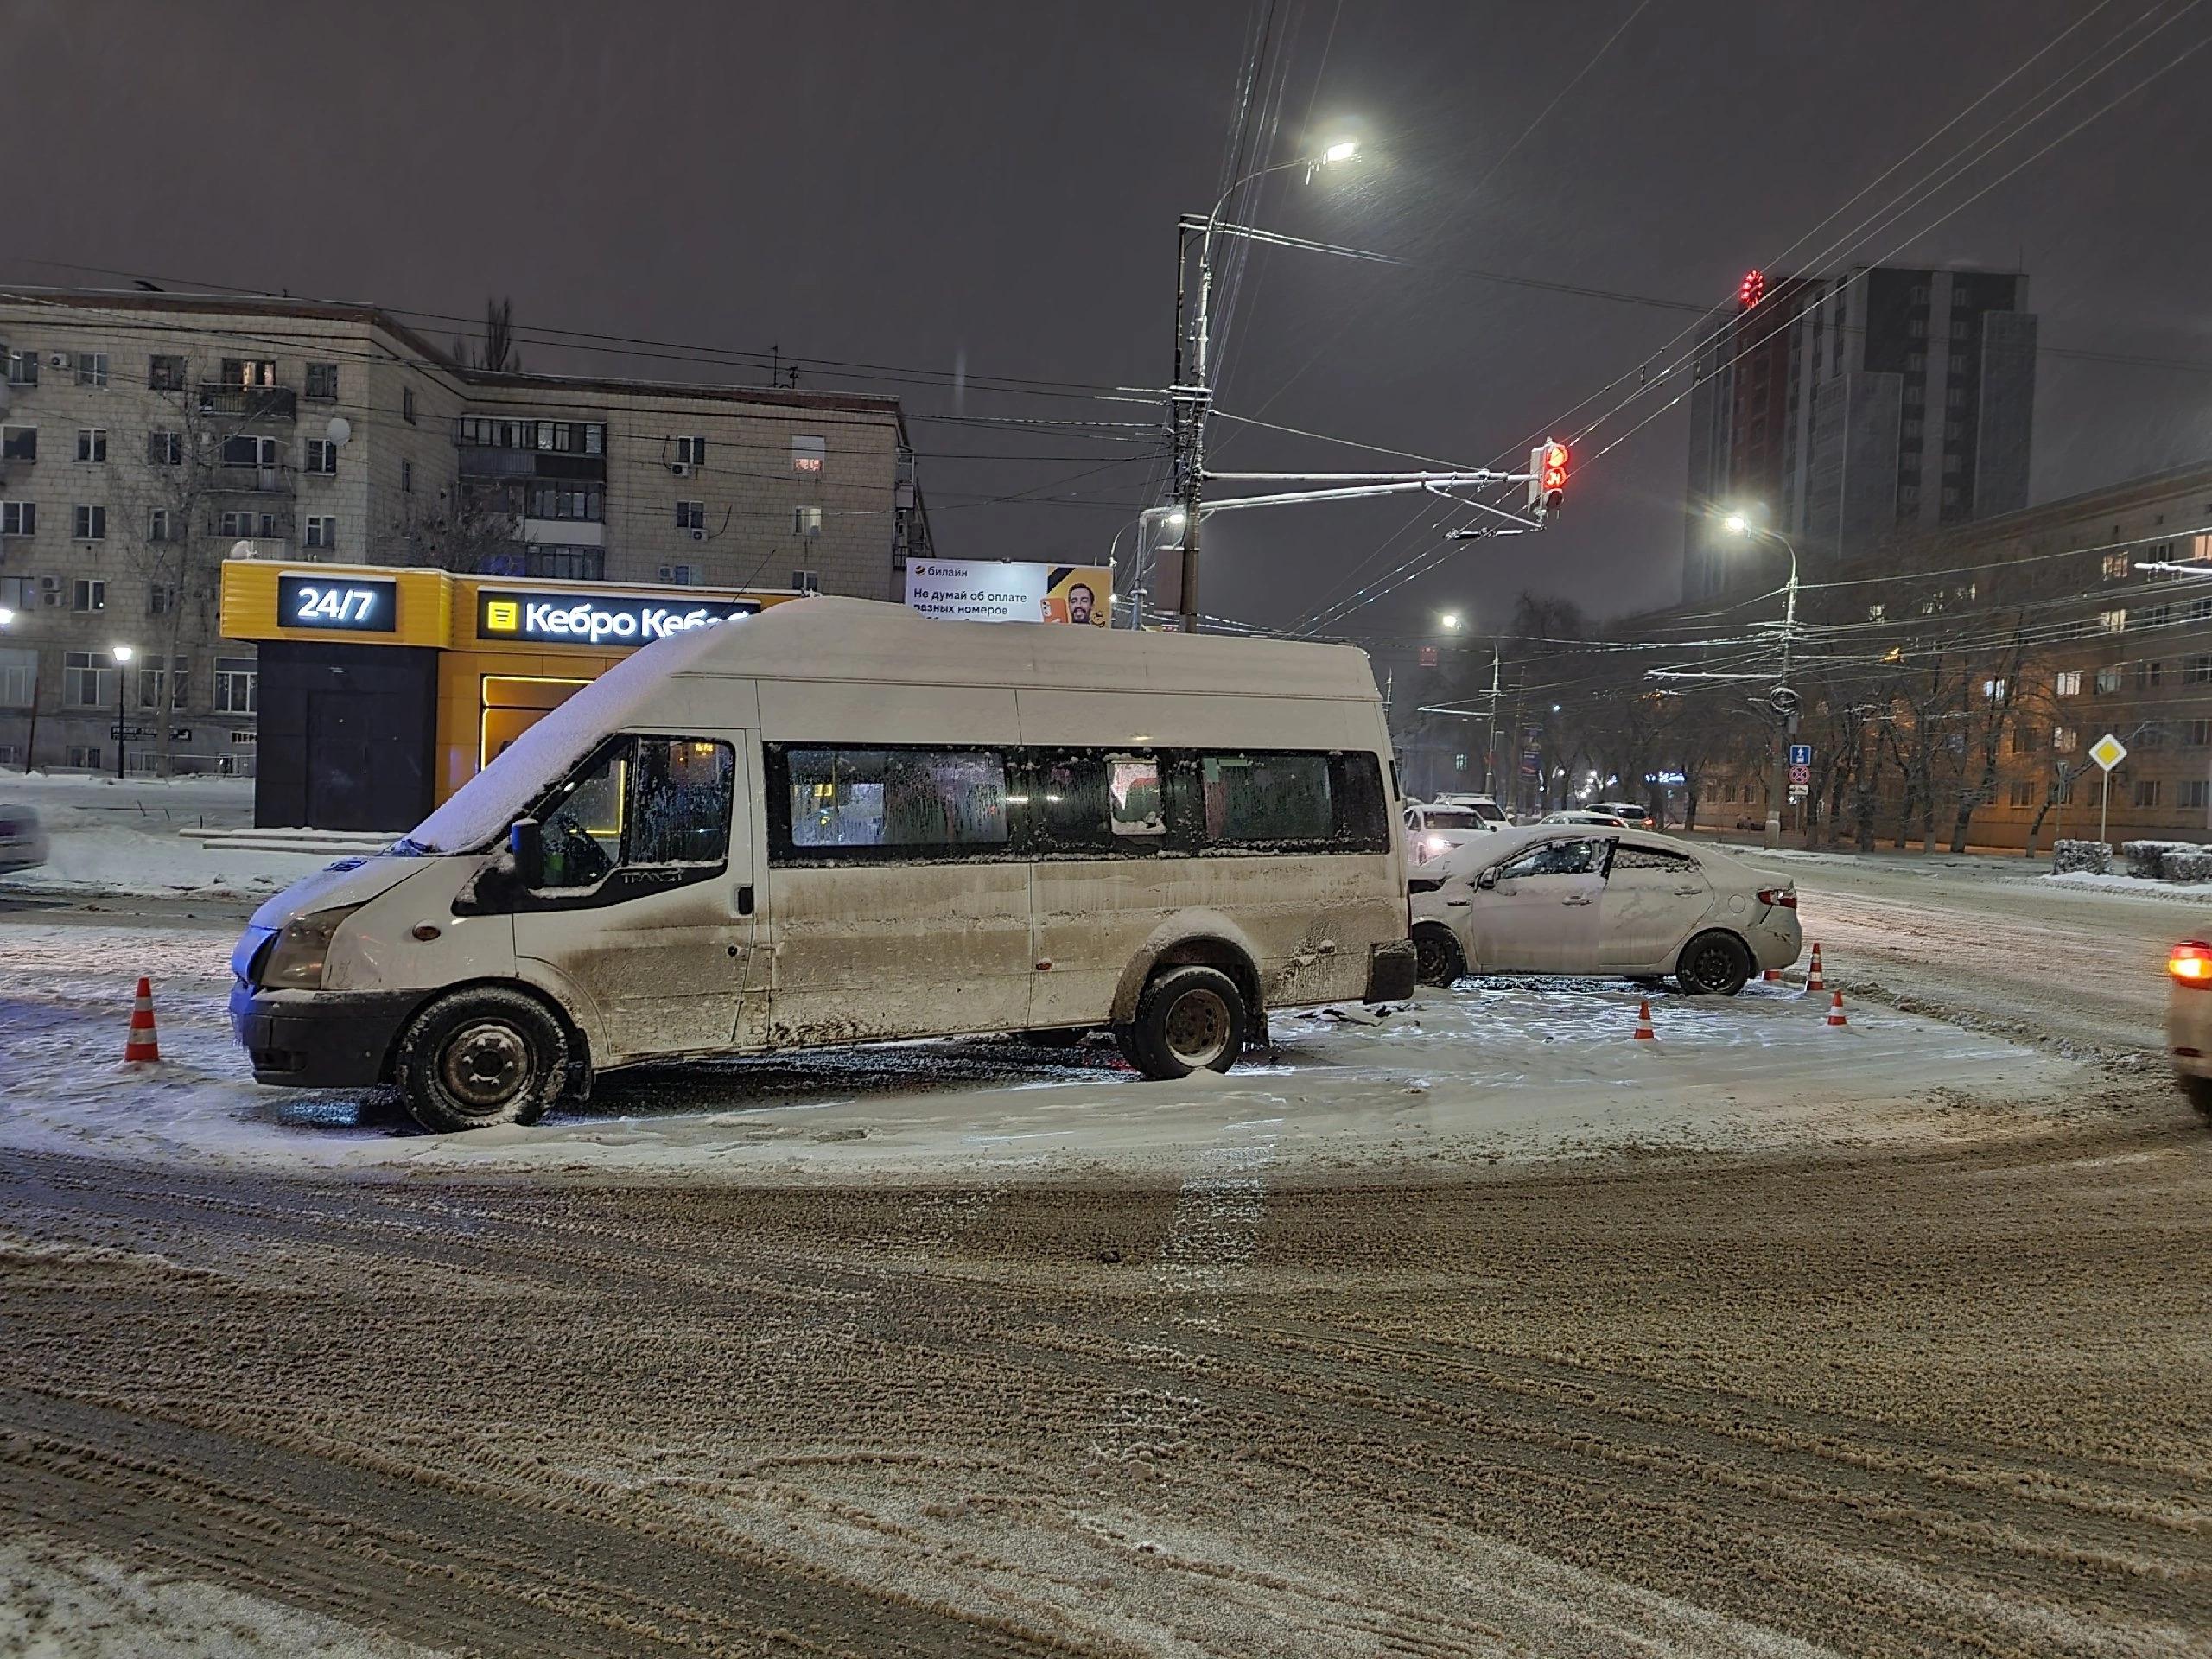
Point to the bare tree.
(498, 352)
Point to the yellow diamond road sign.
(2108, 751)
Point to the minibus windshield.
(481, 809)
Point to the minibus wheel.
(481, 1057)
(1189, 1019)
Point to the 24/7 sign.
(352, 604)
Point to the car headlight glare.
(295, 961)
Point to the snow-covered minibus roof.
(865, 642)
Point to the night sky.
(993, 188)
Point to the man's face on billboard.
(1079, 603)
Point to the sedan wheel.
(1715, 964)
(1438, 959)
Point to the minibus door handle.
(745, 900)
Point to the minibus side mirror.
(527, 842)
(1488, 879)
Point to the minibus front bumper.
(320, 1039)
(1393, 969)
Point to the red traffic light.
(1547, 475)
(1752, 290)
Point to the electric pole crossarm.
(1345, 489)
(1466, 480)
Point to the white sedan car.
(1571, 899)
(22, 841)
(2189, 1020)
(1433, 829)
(1583, 815)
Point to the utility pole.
(1786, 702)
(1490, 752)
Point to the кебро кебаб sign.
(617, 619)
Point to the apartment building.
(146, 437)
(1841, 410)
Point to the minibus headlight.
(295, 962)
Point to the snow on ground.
(120, 836)
(58, 1602)
(1492, 1070)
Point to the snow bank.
(2140, 886)
(122, 837)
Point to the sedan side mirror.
(1488, 879)
(526, 840)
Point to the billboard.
(595, 618)
(1000, 590)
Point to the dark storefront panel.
(348, 735)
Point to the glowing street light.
(1343, 150)
(1451, 621)
(123, 654)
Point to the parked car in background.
(22, 838)
(1584, 899)
(2189, 1020)
(1431, 829)
(1583, 815)
(1628, 812)
(1483, 806)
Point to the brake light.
(1786, 897)
(2191, 962)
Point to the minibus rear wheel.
(1188, 1018)
(481, 1057)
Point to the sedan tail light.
(2191, 962)
(1786, 897)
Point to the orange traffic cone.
(1835, 1011)
(143, 1044)
(1813, 980)
(1644, 1030)
(1772, 975)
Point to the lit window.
(808, 456)
(2112, 621)
(2069, 683)
(806, 521)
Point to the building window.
(1917, 327)
(92, 443)
(92, 368)
(92, 523)
(2196, 791)
(1915, 393)
(164, 373)
(2023, 793)
(806, 582)
(255, 372)
(322, 529)
(19, 517)
(85, 756)
(808, 456)
(407, 477)
(160, 598)
(1875, 613)
(18, 443)
(573, 503)
(806, 521)
(322, 457)
(238, 687)
(1912, 428)
(157, 686)
(681, 576)
(407, 404)
(2200, 734)
(691, 515)
(2108, 679)
(2196, 671)
(1908, 495)
(1950, 498)
(2154, 616)
(1992, 691)
(2200, 610)
(2063, 739)
(87, 593)
(2069, 683)
(2146, 791)
(165, 448)
(2112, 621)
(157, 524)
(18, 670)
(23, 368)
(692, 452)
(248, 523)
(84, 678)
(322, 382)
(2148, 673)
(563, 564)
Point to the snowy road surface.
(1483, 1329)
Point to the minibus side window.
(1265, 798)
(1089, 802)
(884, 804)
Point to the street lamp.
(1171, 518)
(1451, 621)
(123, 654)
(1786, 697)
(1191, 395)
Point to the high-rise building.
(1841, 410)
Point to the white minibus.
(838, 822)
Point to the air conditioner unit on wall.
(49, 590)
(680, 468)
(698, 535)
(61, 360)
